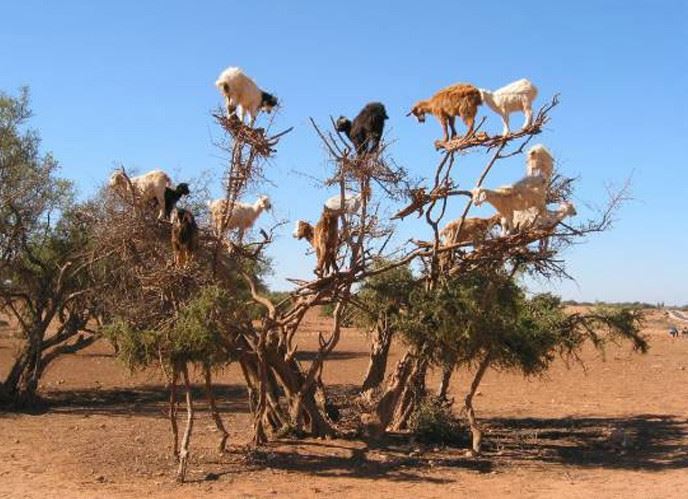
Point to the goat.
(324, 239)
(241, 217)
(547, 219)
(516, 96)
(184, 236)
(539, 161)
(352, 203)
(365, 132)
(473, 230)
(461, 100)
(241, 92)
(529, 192)
(174, 195)
(147, 188)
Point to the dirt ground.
(618, 428)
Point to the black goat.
(184, 236)
(174, 195)
(365, 132)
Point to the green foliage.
(486, 313)
(29, 190)
(432, 422)
(386, 294)
(135, 348)
(203, 331)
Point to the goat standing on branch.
(365, 132)
(174, 195)
(352, 203)
(474, 230)
(516, 96)
(147, 188)
(184, 236)
(324, 238)
(529, 192)
(242, 95)
(546, 220)
(241, 216)
(461, 100)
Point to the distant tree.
(44, 286)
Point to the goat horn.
(409, 113)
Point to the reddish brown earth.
(618, 428)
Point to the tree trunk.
(172, 412)
(22, 381)
(381, 341)
(213, 409)
(413, 393)
(186, 439)
(476, 432)
(386, 405)
(447, 371)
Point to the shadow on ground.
(311, 355)
(148, 400)
(649, 442)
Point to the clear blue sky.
(132, 82)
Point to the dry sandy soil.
(617, 428)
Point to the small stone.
(101, 479)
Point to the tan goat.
(474, 230)
(324, 238)
(461, 99)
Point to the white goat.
(516, 96)
(242, 216)
(539, 161)
(548, 219)
(352, 203)
(529, 192)
(241, 92)
(147, 187)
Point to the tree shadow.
(360, 463)
(648, 442)
(344, 355)
(148, 400)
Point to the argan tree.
(45, 288)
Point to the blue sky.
(132, 82)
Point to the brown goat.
(461, 100)
(324, 238)
(184, 236)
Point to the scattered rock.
(211, 477)
(101, 479)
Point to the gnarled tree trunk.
(381, 338)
